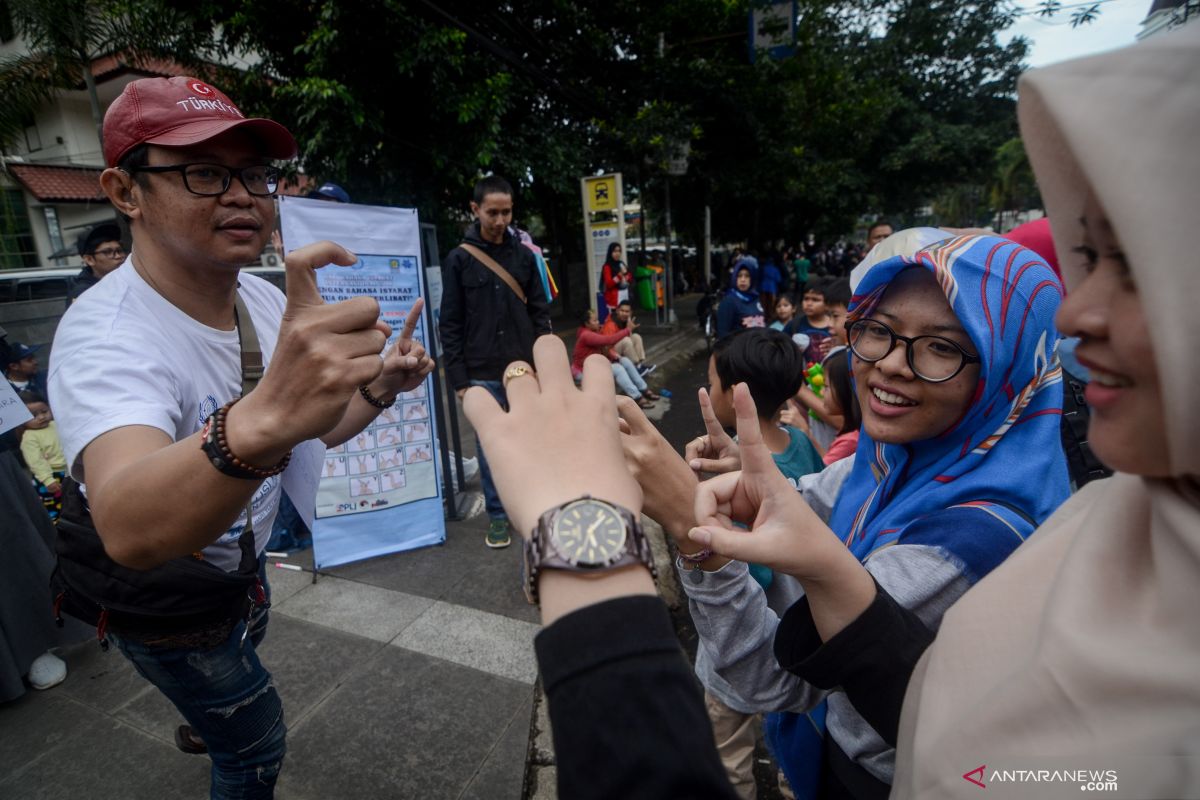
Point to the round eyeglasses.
(933, 359)
(211, 180)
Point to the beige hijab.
(1082, 651)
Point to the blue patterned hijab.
(1003, 456)
(1005, 453)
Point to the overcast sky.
(1117, 25)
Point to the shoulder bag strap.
(501, 272)
(252, 372)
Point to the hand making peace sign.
(716, 451)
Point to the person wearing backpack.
(493, 307)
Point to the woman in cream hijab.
(1083, 650)
(1075, 665)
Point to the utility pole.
(707, 246)
(670, 309)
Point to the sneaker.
(47, 670)
(645, 369)
(498, 534)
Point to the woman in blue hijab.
(959, 459)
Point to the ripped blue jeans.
(228, 698)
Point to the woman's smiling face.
(1125, 426)
(897, 406)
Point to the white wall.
(73, 219)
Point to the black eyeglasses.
(934, 359)
(211, 180)
(111, 252)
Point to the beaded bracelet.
(373, 400)
(216, 447)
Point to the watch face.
(589, 533)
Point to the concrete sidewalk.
(407, 676)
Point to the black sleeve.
(627, 713)
(450, 321)
(871, 659)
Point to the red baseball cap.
(180, 111)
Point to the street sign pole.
(603, 199)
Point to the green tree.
(1013, 187)
(884, 105)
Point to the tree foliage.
(883, 105)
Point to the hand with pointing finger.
(668, 484)
(406, 362)
(785, 534)
(323, 354)
(533, 448)
(716, 451)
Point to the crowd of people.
(960, 605)
(894, 564)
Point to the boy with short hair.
(837, 306)
(814, 321)
(824, 429)
(772, 367)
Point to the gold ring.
(515, 371)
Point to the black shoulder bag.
(181, 597)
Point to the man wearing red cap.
(183, 473)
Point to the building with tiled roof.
(59, 183)
(50, 178)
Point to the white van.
(24, 285)
(33, 300)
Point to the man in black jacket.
(102, 252)
(484, 324)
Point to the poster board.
(380, 492)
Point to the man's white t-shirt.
(124, 355)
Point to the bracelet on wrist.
(216, 446)
(373, 400)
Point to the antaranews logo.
(1089, 780)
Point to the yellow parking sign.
(602, 193)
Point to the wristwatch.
(585, 535)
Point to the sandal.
(644, 402)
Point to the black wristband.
(215, 446)
(373, 400)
